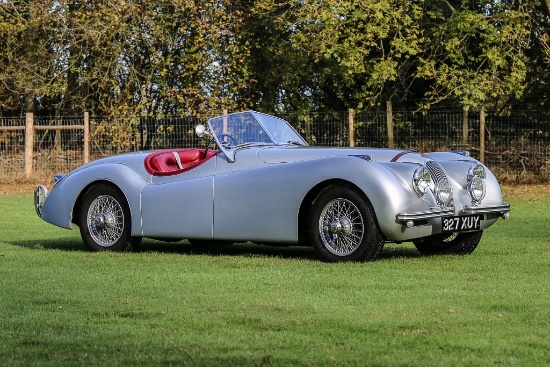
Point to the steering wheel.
(230, 137)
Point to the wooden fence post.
(465, 127)
(482, 136)
(351, 116)
(29, 142)
(389, 124)
(86, 137)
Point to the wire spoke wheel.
(105, 220)
(341, 227)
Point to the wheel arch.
(78, 202)
(64, 201)
(387, 190)
(309, 199)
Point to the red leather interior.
(165, 163)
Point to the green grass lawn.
(247, 305)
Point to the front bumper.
(502, 211)
(40, 195)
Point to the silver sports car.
(264, 184)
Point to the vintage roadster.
(264, 184)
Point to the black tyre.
(454, 244)
(342, 226)
(104, 220)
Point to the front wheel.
(453, 244)
(343, 226)
(104, 220)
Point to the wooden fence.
(514, 144)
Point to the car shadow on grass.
(63, 244)
(238, 249)
(251, 249)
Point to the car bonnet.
(287, 154)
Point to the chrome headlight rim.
(476, 182)
(477, 189)
(422, 181)
(444, 193)
(477, 170)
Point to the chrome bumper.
(429, 214)
(501, 210)
(40, 194)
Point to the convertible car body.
(264, 184)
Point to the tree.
(471, 53)
(477, 53)
(160, 57)
(537, 86)
(29, 68)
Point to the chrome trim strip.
(429, 214)
(487, 209)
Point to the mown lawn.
(247, 305)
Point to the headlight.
(476, 188)
(476, 170)
(444, 192)
(422, 180)
(476, 182)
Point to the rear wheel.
(104, 220)
(343, 226)
(455, 243)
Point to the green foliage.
(159, 57)
(479, 55)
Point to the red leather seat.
(173, 161)
(165, 162)
(190, 156)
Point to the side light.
(422, 180)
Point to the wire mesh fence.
(516, 146)
(12, 146)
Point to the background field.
(172, 304)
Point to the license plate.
(461, 224)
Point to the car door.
(256, 201)
(181, 205)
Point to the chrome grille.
(439, 180)
(436, 170)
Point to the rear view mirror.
(202, 131)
